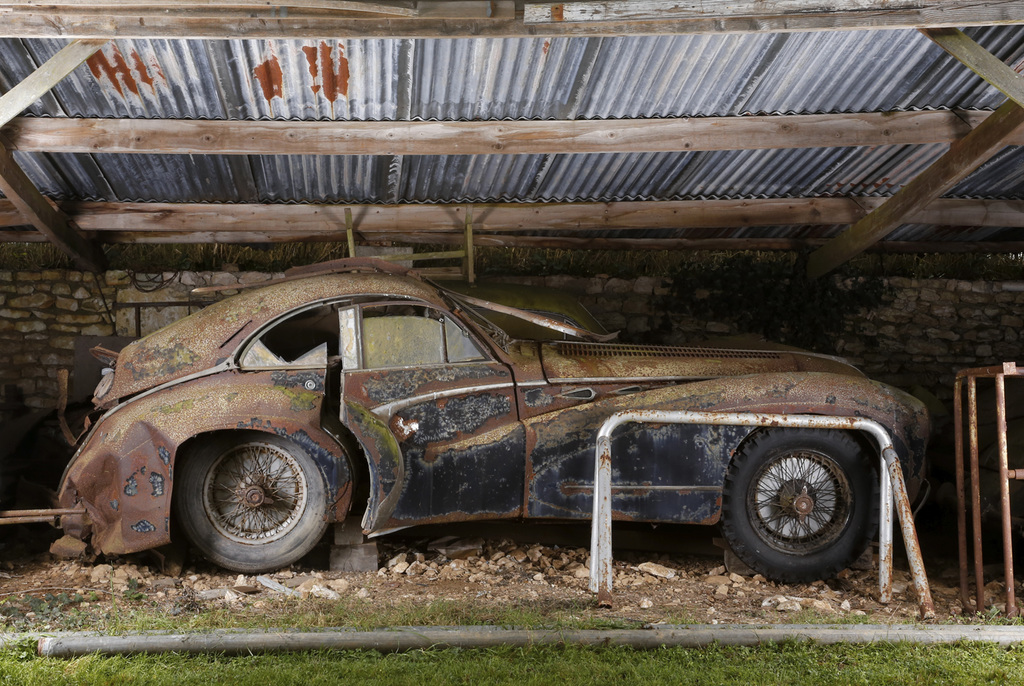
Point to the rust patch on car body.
(124, 472)
(197, 342)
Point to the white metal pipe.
(69, 644)
(601, 525)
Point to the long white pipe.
(889, 472)
(419, 638)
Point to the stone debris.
(648, 588)
(654, 569)
(276, 586)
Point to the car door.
(436, 413)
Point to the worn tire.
(800, 504)
(250, 501)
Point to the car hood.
(570, 361)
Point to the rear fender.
(124, 473)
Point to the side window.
(305, 339)
(411, 336)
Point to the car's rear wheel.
(250, 502)
(800, 504)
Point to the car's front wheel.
(251, 502)
(800, 504)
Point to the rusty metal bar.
(1004, 494)
(972, 407)
(36, 516)
(961, 514)
(998, 374)
(890, 473)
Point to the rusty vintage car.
(252, 424)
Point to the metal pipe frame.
(971, 376)
(49, 515)
(892, 491)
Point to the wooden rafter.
(569, 242)
(50, 221)
(218, 19)
(962, 158)
(185, 222)
(23, 195)
(40, 81)
(221, 137)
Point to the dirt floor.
(38, 592)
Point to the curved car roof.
(207, 337)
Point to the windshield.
(542, 319)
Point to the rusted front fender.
(384, 461)
(124, 472)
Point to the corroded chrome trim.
(388, 410)
(620, 379)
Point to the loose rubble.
(647, 588)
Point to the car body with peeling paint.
(252, 424)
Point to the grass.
(785, 663)
(121, 616)
(499, 261)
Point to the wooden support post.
(49, 220)
(39, 82)
(467, 262)
(348, 232)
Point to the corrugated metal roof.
(524, 78)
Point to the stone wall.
(924, 332)
(42, 314)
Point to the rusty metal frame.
(999, 374)
(891, 488)
(44, 516)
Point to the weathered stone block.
(116, 277)
(154, 318)
(618, 286)
(354, 558)
(1011, 320)
(644, 285)
(30, 326)
(68, 304)
(80, 319)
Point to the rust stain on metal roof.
(270, 77)
(143, 72)
(330, 76)
(115, 69)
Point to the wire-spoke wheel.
(800, 504)
(255, 493)
(251, 502)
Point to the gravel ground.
(41, 593)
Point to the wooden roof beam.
(306, 19)
(39, 82)
(962, 158)
(229, 137)
(309, 220)
(560, 242)
(50, 221)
